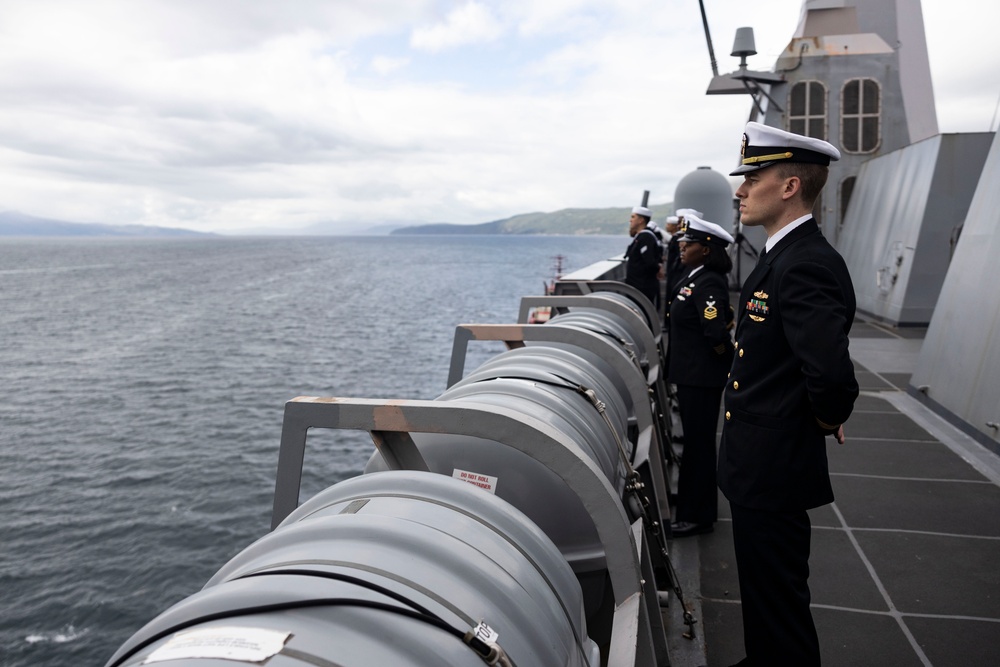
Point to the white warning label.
(486, 634)
(486, 482)
(227, 643)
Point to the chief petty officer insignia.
(757, 308)
(711, 312)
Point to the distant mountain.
(568, 221)
(13, 223)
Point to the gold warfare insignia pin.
(760, 295)
(711, 312)
(756, 319)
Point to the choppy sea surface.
(142, 384)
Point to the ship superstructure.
(855, 73)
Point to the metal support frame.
(581, 287)
(649, 454)
(516, 335)
(656, 372)
(651, 341)
(633, 639)
(648, 550)
(657, 380)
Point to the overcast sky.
(245, 115)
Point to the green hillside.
(568, 221)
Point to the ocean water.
(142, 384)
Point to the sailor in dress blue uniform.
(792, 383)
(699, 356)
(644, 255)
(672, 255)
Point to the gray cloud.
(227, 114)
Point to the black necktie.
(761, 256)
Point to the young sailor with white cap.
(791, 384)
(643, 256)
(699, 355)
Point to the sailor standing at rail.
(792, 383)
(699, 357)
(661, 239)
(672, 256)
(644, 254)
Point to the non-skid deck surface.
(905, 564)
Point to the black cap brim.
(747, 168)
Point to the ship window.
(861, 116)
(807, 109)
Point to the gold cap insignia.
(768, 158)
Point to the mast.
(708, 38)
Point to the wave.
(64, 636)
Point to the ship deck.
(905, 564)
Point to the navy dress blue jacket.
(642, 263)
(700, 350)
(792, 367)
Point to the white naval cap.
(764, 145)
(672, 219)
(703, 231)
(642, 210)
(685, 212)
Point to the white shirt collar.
(785, 231)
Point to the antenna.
(708, 38)
(744, 46)
(745, 81)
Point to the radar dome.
(708, 191)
